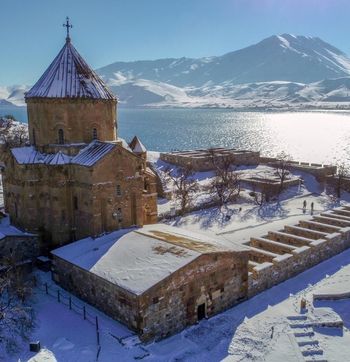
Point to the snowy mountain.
(280, 71)
(13, 95)
(286, 57)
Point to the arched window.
(94, 134)
(60, 136)
(34, 138)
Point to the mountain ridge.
(279, 71)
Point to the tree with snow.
(12, 132)
(225, 186)
(16, 312)
(282, 167)
(185, 186)
(340, 178)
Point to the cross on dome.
(67, 25)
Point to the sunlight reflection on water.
(309, 136)
(317, 136)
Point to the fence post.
(58, 296)
(84, 312)
(97, 332)
(46, 289)
(70, 302)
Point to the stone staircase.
(280, 254)
(305, 338)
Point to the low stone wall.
(272, 185)
(321, 172)
(201, 160)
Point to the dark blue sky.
(111, 30)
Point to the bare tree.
(264, 195)
(185, 186)
(282, 167)
(226, 183)
(16, 313)
(340, 178)
(12, 132)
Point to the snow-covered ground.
(260, 329)
(242, 333)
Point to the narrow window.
(34, 138)
(119, 190)
(75, 203)
(120, 215)
(63, 216)
(60, 136)
(94, 134)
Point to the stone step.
(304, 333)
(271, 245)
(332, 221)
(304, 232)
(297, 317)
(335, 216)
(314, 225)
(311, 351)
(289, 239)
(260, 255)
(307, 342)
(302, 325)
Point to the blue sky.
(112, 30)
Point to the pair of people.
(311, 206)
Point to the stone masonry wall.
(217, 280)
(109, 298)
(70, 202)
(280, 269)
(203, 162)
(22, 247)
(77, 118)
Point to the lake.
(317, 136)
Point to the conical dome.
(69, 76)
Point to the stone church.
(77, 178)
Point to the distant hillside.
(280, 71)
(286, 57)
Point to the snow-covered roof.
(137, 146)
(124, 143)
(87, 156)
(6, 229)
(95, 151)
(69, 76)
(138, 259)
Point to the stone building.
(77, 178)
(157, 279)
